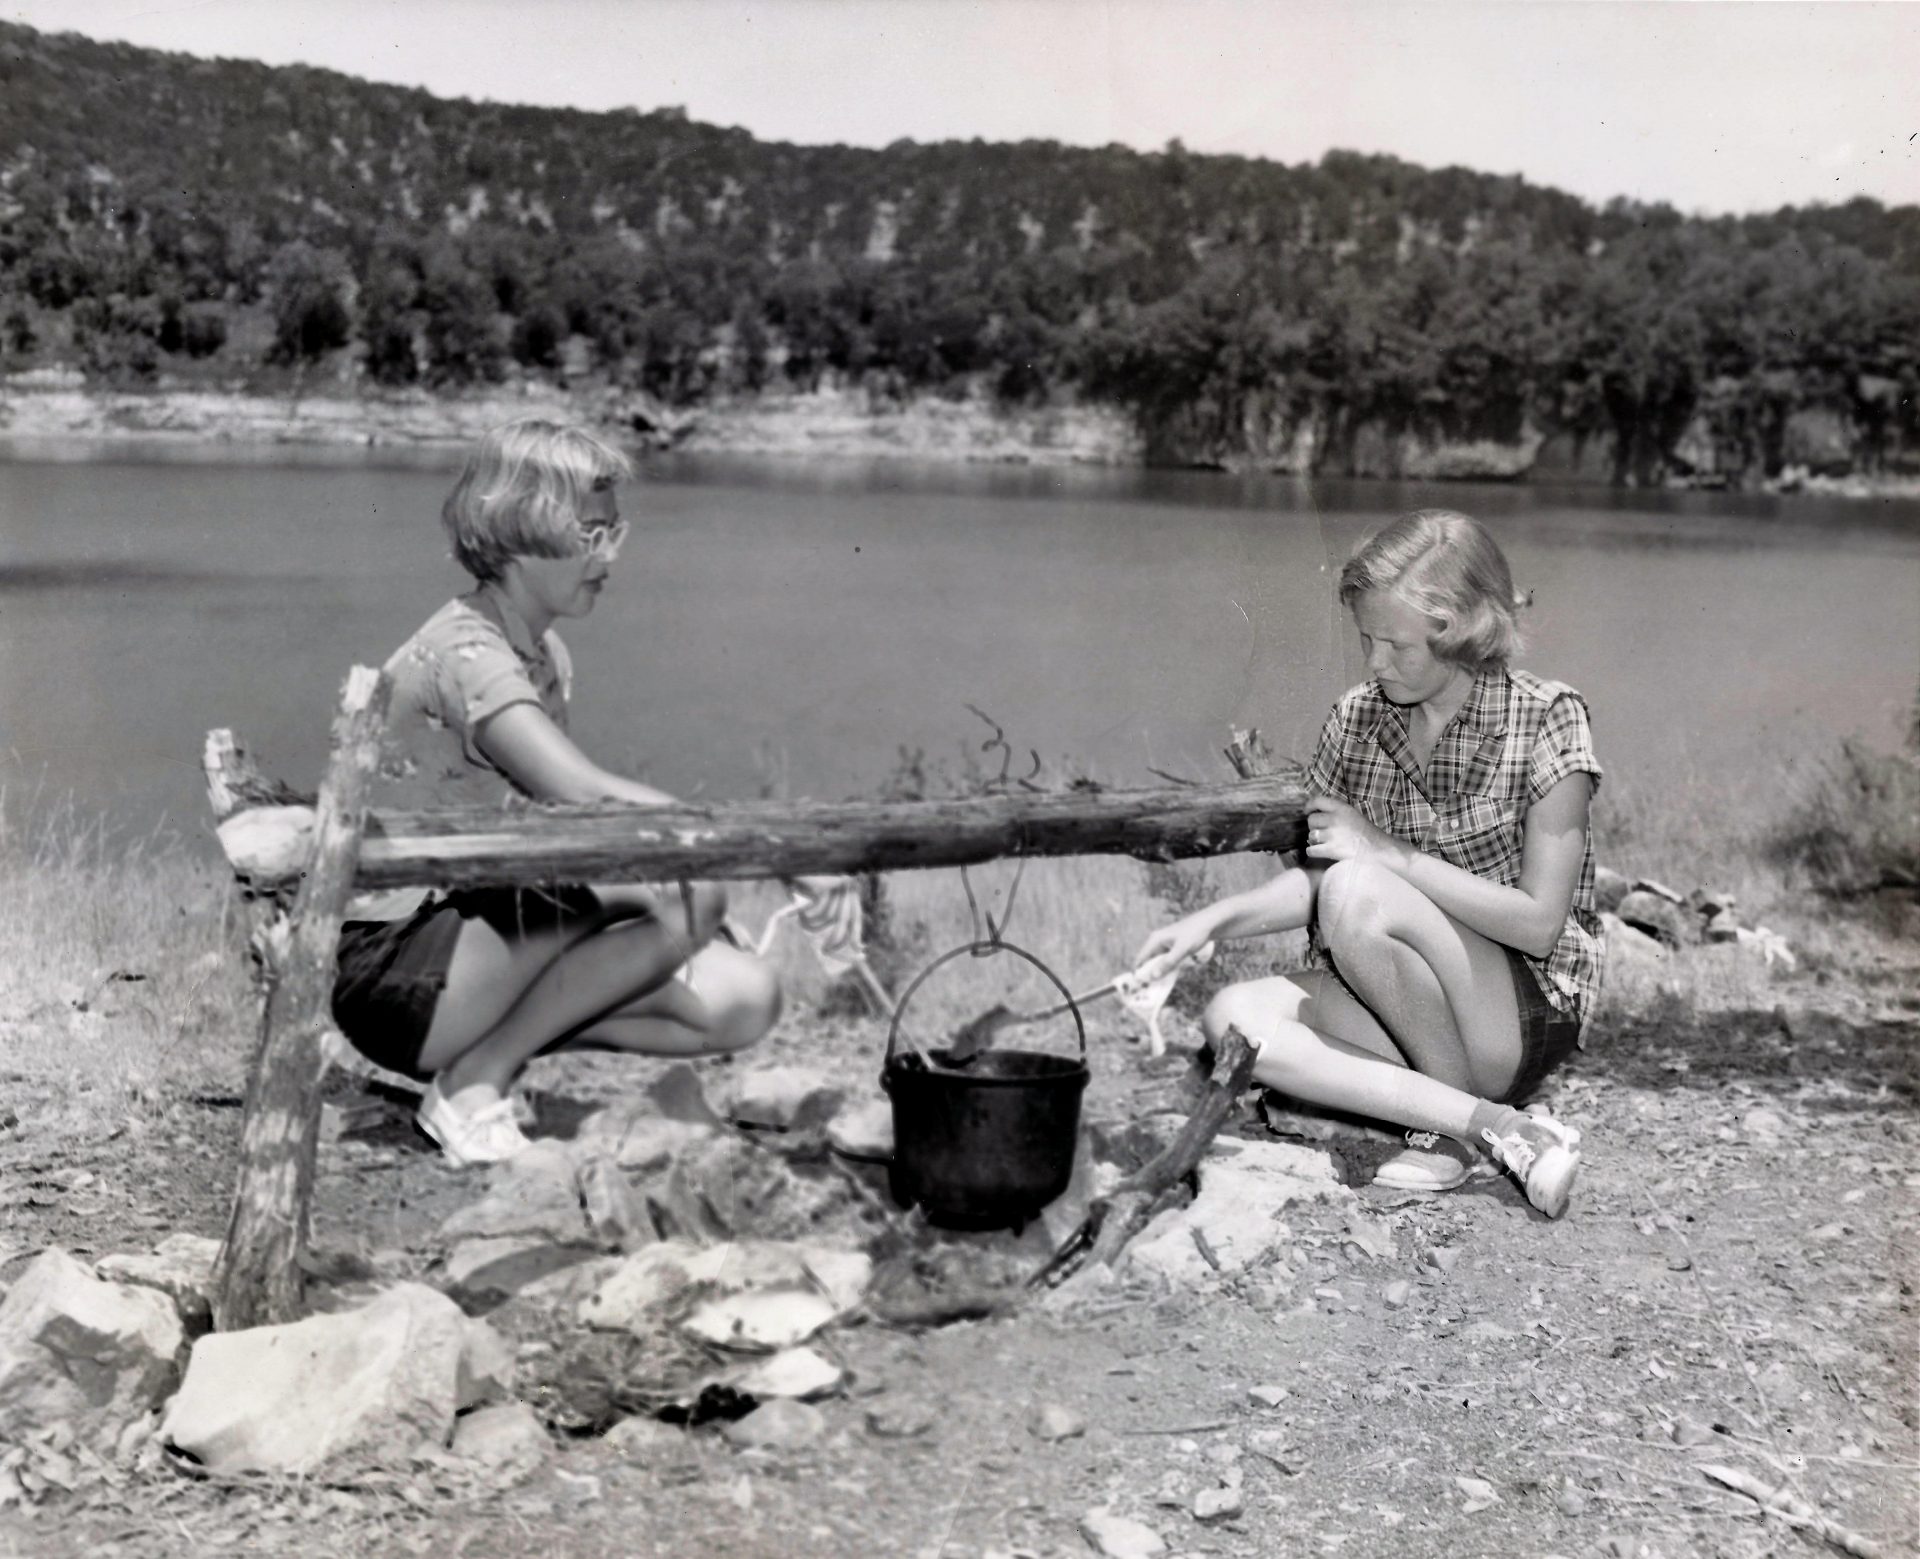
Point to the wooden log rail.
(469, 847)
(274, 843)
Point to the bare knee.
(1227, 1010)
(1353, 908)
(744, 1004)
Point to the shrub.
(1856, 825)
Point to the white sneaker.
(1544, 1156)
(487, 1135)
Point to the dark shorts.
(1547, 1035)
(388, 974)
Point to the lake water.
(798, 624)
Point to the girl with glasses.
(462, 989)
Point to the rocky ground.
(1386, 1375)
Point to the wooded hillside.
(165, 214)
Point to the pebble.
(778, 1425)
(1395, 1293)
(899, 1420)
(1217, 1504)
(1054, 1422)
(1690, 1431)
(1269, 1394)
(1120, 1537)
(1443, 1257)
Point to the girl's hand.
(1169, 947)
(1339, 832)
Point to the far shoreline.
(53, 416)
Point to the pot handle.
(985, 950)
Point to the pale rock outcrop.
(1244, 1187)
(181, 1267)
(355, 1388)
(648, 1283)
(784, 1098)
(96, 1354)
(481, 1273)
(536, 1193)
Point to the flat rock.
(506, 1439)
(1120, 1537)
(651, 1279)
(863, 1130)
(97, 1354)
(358, 1388)
(535, 1193)
(181, 1267)
(645, 1440)
(639, 1137)
(1218, 1504)
(481, 1273)
(776, 1426)
(1243, 1191)
(785, 1098)
(1632, 946)
(762, 1320)
(798, 1373)
(1660, 918)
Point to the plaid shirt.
(1512, 741)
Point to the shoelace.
(1514, 1150)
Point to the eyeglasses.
(604, 540)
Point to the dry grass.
(106, 935)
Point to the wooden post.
(260, 1277)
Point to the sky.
(1711, 107)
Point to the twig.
(1114, 1219)
(1210, 1427)
(1784, 1505)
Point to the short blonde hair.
(521, 493)
(1446, 565)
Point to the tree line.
(166, 214)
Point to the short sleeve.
(487, 677)
(1323, 772)
(1564, 746)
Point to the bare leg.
(1444, 992)
(727, 1000)
(509, 997)
(1320, 1045)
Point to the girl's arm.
(1282, 903)
(523, 743)
(1529, 915)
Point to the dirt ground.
(1734, 1285)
